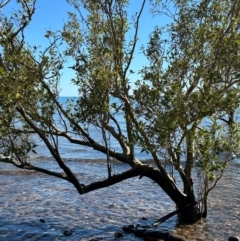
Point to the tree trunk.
(189, 215)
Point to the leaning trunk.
(190, 214)
(193, 213)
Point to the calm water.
(27, 197)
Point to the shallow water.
(223, 218)
(27, 197)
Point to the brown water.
(27, 197)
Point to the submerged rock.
(233, 238)
(118, 235)
(145, 233)
(67, 232)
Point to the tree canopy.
(178, 107)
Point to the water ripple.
(29, 197)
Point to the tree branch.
(4, 3)
(119, 156)
(118, 136)
(135, 39)
(53, 151)
(28, 166)
(112, 180)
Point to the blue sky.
(51, 14)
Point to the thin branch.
(106, 146)
(75, 124)
(129, 111)
(4, 3)
(119, 156)
(118, 136)
(135, 39)
(52, 150)
(28, 166)
(25, 24)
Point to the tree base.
(189, 216)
